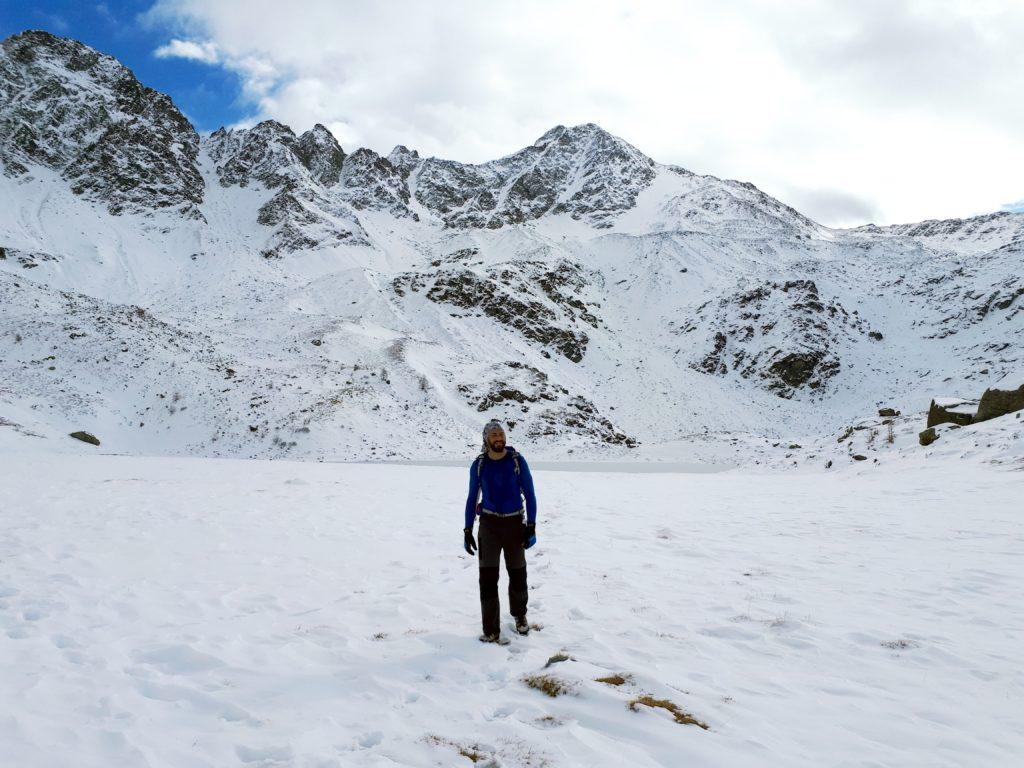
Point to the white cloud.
(894, 111)
(188, 49)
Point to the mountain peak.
(68, 107)
(404, 159)
(320, 152)
(322, 132)
(575, 133)
(550, 135)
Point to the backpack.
(480, 467)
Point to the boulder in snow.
(951, 410)
(86, 437)
(999, 402)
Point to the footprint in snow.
(503, 711)
(371, 739)
(179, 660)
(263, 754)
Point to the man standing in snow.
(502, 477)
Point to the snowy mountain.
(66, 107)
(257, 292)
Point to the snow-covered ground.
(213, 612)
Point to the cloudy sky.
(851, 112)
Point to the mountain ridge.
(258, 292)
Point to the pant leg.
(515, 563)
(489, 553)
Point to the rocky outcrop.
(579, 417)
(86, 437)
(797, 368)
(320, 153)
(583, 172)
(404, 160)
(266, 153)
(308, 210)
(25, 259)
(300, 219)
(70, 108)
(537, 299)
(999, 402)
(511, 384)
(783, 335)
(945, 410)
(523, 395)
(371, 182)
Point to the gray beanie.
(492, 425)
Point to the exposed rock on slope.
(988, 232)
(510, 385)
(370, 181)
(584, 172)
(536, 299)
(67, 107)
(319, 151)
(524, 397)
(951, 410)
(304, 213)
(783, 335)
(26, 259)
(999, 402)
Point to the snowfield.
(213, 612)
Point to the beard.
(496, 445)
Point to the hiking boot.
(522, 625)
(495, 638)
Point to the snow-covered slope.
(385, 306)
(198, 612)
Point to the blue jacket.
(503, 491)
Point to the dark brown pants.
(497, 535)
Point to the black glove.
(468, 541)
(529, 535)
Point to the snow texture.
(199, 612)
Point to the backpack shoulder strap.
(515, 460)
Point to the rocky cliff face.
(783, 336)
(584, 172)
(301, 172)
(988, 232)
(540, 301)
(371, 182)
(69, 108)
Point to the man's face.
(496, 440)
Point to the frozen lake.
(198, 612)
